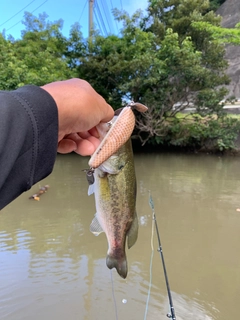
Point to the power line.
(107, 15)
(83, 10)
(31, 12)
(121, 4)
(17, 13)
(98, 23)
(100, 17)
(98, 11)
(104, 15)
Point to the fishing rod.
(170, 315)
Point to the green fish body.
(115, 199)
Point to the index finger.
(108, 113)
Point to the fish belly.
(115, 212)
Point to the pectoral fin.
(133, 232)
(91, 189)
(95, 226)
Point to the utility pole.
(90, 30)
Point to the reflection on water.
(52, 267)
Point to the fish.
(114, 187)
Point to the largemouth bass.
(115, 199)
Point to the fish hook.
(89, 175)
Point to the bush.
(197, 133)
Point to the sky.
(70, 11)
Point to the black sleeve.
(28, 139)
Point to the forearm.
(28, 139)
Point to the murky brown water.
(52, 267)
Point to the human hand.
(80, 110)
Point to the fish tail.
(113, 261)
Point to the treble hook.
(89, 175)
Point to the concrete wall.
(230, 12)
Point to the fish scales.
(122, 203)
(115, 198)
(114, 188)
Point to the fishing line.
(114, 299)
(150, 273)
(172, 311)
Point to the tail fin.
(120, 264)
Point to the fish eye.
(121, 167)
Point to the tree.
(42, 47)
(222, 35)
(215, 4)
(12, 70)
(161, 60)
(191, 65)
(37, 58)
(75, 46)
(169, 59)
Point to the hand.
(80, 110)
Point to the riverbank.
(208, 148)
(193, 133)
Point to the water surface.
(52, 267)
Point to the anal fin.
(133, 232)
(95, 226)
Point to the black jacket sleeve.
(28, 139)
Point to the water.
(52, 267)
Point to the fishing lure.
(120, 131)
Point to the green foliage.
(190, 67)
(160, 59)
(169, 59)
(223, 35)
(37, 58)
(102, 65)
(11, 69)
(207, 102)
(197, 133)
(75, 47)
(120, 68)
(215, 4)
